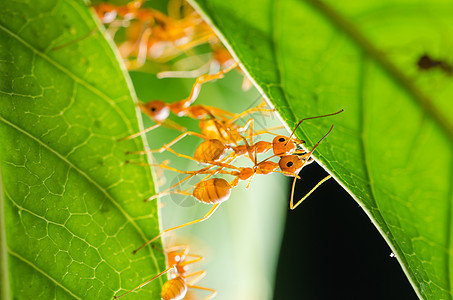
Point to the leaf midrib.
(363, 43)
(23, 259)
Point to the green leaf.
(392, 147)
(71, 210)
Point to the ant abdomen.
(174, 289)
(210, 150)
(212, 191)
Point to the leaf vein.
(77, 79)
(20, 257)
(91, 180)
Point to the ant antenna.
(304, 119)
(317, 185)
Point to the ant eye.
(289, 164)
(281, 140)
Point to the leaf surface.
(71, 210)
(392, 146)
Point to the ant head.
(283, 145)
(291, 164)
(106, 12)
(156, 109)
(175, 257)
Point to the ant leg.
(268, 130)
(140, 132)
(251, 110)
(197, 172)
(145, 283)
(142, 51)
(246, 83)
(250, 181)
(200, 40)
(209, 214)
(253, 158)
(227, 160)
(185, 74)
(203, 79)
(221, 113)
(251, 143)
(168, 191)
(285, 173)
(182, 248)
(293, 206)
(179, 192)
(213, 292)
(160, 179)
(173, 125)
(198, 276)
(166, 146)
(197, 259)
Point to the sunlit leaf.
(71, 210)
(392, 147)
